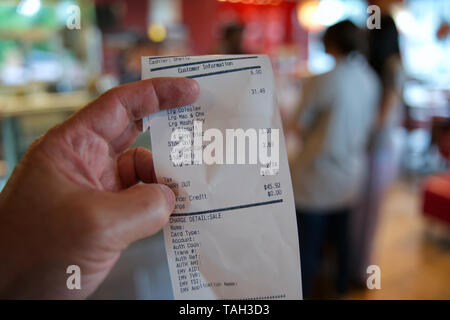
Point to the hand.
(74, 199)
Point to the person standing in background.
(385, 146)
(231, 41)
(334, 120)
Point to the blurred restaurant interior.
(48, 71)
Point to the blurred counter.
(25, 117)
(43, 102)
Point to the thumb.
(139, 212)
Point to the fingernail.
(170, 196)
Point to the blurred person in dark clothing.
(231, 42)
(385, 145)
(131, 59)
(334, 119)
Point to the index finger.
(111, 113)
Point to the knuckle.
(163, 216)
(160, 207)
(164, 203)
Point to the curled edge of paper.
(145, 124)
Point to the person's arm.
(305, 112)
(389, 100)
(74, 198)
(392, 88)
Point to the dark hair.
(232, 29)
(383, 43)
(346, 37)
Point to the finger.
(111, 114)
(126, 138)
(135, 165)
(138, 212)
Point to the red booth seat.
(436, 202)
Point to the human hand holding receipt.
(233, 233)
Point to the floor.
(413, 264)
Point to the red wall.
(267, 26)
(200, 17)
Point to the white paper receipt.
(233, 233)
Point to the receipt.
(233, 233)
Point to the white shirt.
(337, 113)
